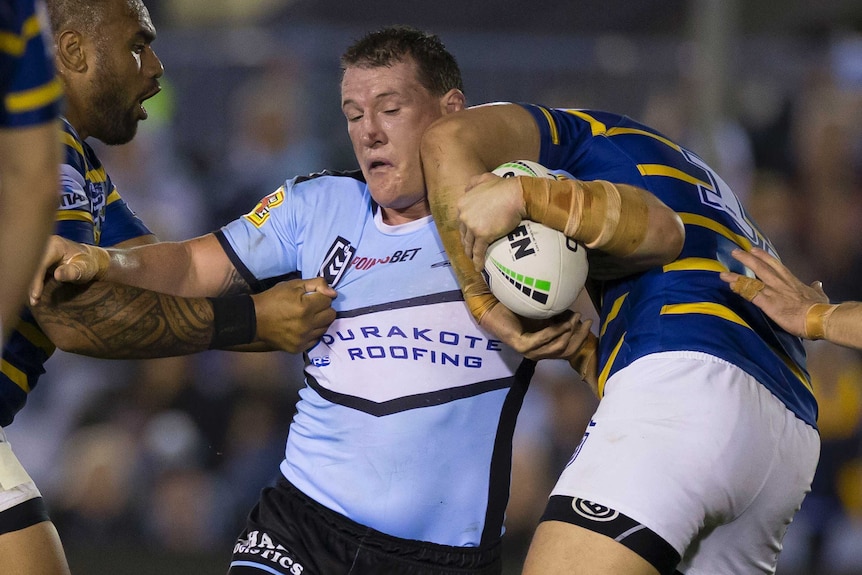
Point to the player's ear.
(71, 55)
(453, 101)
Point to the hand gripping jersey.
(29, 90)
(683, 305)
(91, 212)
(405, 424)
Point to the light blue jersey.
(405, 424)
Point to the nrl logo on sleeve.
(260, 213)
(336, 261)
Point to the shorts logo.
(593, 511)
(263, 550)
(337, 261)
(260, 213)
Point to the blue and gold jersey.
(28, 86)
(683, 305)
(91, 212)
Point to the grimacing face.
(125, 75)
(387, 110)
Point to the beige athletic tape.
(12, 473)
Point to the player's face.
(387, 110)
(125, 73)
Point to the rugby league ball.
(535, 271)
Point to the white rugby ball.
(535, 271)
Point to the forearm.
(444, 207)
(29, 198)
(162, 267)
(192, 268)
(113, 321)
(838, 323)
(629, 226)
(455, 149)
(121, 322)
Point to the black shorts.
(288, 533)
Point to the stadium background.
(149, 467)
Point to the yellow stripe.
(704, 307)
(12, 44)
(35, 98)
(635, 131)
(70, 141)
(696, 264)
(35, 336)
(704, 222)
(603, 376)
(552, 125)
(15, 374)
(97, 176)
(615, 310)
(32, 27)
(16, 45)
(668, 172)
(598, 128)
(74, 215)
(113, 196)
(717, 310)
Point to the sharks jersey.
(406, 421)
(29, 90)
(91, 212)
(683, 305)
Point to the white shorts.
(20, 500)
(692, 452)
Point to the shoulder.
(320, 186)
(334, 178)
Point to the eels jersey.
(91, 212)
(683, 305)
(406, 420)
(28, 86)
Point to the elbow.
(664, 241)
(66, 338)
(675, 231)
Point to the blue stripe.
(256, 566)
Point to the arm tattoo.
(234, 284)
(120, 322)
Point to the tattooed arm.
(122, 318)
(107, 320)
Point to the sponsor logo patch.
(594, 511)
(261, 211)
(337, 261)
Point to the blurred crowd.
(167, 456)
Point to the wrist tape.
(479, 299)
(234, 321)
(477, 294)
(586, 356)
(604, 216)
(816, 318)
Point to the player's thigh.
(563, 548)
(679, 444)
(751, 541)
(34, 550)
